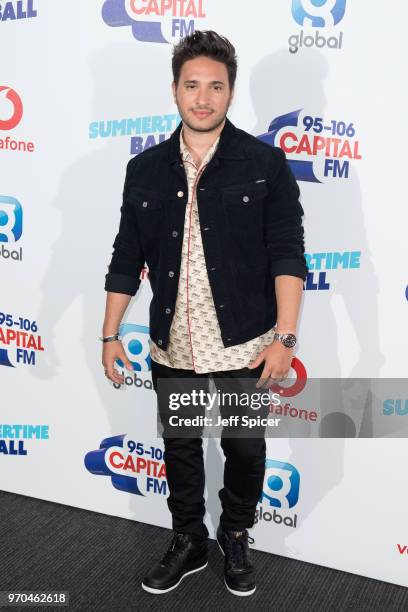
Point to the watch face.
(289, 340)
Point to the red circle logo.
(11, 122)
(298, 385)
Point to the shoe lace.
(238, 548)
(174, 551)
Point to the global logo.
(11, 219)
(281, 484)
(318, 13)
(319, 148)
(135, 341)
(280, 490)
(11, 108)
(160, 21)
(132, 466)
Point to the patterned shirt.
(195, 339)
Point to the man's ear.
(173, 89)
(232, 95)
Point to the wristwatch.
(288, 340)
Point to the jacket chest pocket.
(149, 210)
(145, 201)
(243, 205)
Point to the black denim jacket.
(251, 227)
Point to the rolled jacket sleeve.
(127, 259)
(284, 229)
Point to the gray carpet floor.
(101, 561)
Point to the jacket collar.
(229, 147)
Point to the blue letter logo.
(135, 340)
(281, 485)
(318, 13)
(11, 219)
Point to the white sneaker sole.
(239, 593)
(160, 591)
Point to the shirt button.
(160, 341)
(168, 310)
(245, 199)
(221, 305)
(174, 234)
(228, 339)
(206, 228)
(180, 194)
(145, 204)
(171, 273)
(212, 269)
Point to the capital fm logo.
(318, 149)
(20, 342)
(11, 227)
(155, 21)
(311, 14)
(132, 466)
(280, 490)
(11, 113)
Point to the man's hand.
(110, 352)
(278, 359)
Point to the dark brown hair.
(210, 44)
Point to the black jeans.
(244, 467)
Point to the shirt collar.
(186, 155)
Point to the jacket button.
(174, 234)
(180, 194)
(245, 199)
(171, 273)
(228, 339)
(221, 305)
(160, 341)
(212, 269)
(145, 204)
(168, 310)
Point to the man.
(215, 214)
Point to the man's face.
(203, 94)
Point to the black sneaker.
(239, 572)
(185, 555)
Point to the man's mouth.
(202, 114)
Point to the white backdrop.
(93, 85)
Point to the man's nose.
(202, 98)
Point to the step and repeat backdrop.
(86, 85)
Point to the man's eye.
(190, 86)
(217, 87)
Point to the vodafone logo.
(298, 385)
(11, 96)
(11, 112)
